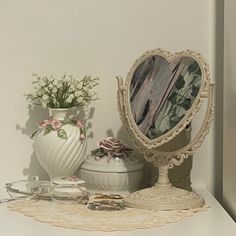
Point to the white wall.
(229, 176)
(97, 37)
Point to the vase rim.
(61, 109)
(61, 113)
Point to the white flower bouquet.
(65, 92)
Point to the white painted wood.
(214, 222)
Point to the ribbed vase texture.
(60, 157)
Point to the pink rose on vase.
(56, 124)
(44, 123)
(53, 124)
(79, 124)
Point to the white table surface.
(214, 222)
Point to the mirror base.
(164, 197)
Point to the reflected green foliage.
(179, 101)
(162, 92)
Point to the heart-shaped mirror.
(163, 91)
(160, 97)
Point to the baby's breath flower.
(71, 96)
(79, 99)
(39, 93)
(42, 83)
(78, 93)
(45, 97)
(47, 89)
(50, 79)
(54, 90)
(79, 86)
(69, 100)
(55, 82)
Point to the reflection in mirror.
(162, 92)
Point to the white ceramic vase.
(60, 157)
(116, 176)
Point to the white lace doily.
(77, 216)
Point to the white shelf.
(214, 222)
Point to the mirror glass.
(162, 92)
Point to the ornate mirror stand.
(160, 97)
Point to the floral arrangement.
(52, 124)
(112, 148)
(65, 92)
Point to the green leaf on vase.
(48, 129)
(62, 134)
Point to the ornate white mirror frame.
(163, 195)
